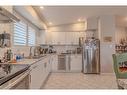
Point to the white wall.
(121, 33)
(41, 37)
(68, 27)
(92, 23)
(107, 29)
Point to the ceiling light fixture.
(42, 7)
(79, 20)
(50, 23)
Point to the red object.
(123, 69)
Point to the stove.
(9, 71)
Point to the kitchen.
(44, 47)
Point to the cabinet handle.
(45, 64)
(69, 63)
(30, 78)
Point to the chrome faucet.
(30, 54)
(35, 51)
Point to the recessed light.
(42, 7)
(79, 20)
(50, 23)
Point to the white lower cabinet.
(47, 67)
(54, 63)
(36, 79)
(39, 72)
(76, 63)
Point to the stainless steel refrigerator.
(91, 56)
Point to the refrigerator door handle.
(69, 63)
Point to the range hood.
(7, 17)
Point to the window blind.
(20, 33)
(31, 36)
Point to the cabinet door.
(58, 38)
(62, 37)
(72, 38)
(76, 38)
(76, 63)
(48, 37)
(46, 66)
(54, 63)
(54, 38)
(82, 34)
(36, 78)
(69, 38)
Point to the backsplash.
(63, 49)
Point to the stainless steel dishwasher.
(64, 62)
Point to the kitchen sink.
(35, 57)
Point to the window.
(24, 34)
(20, 33)
(31, 36)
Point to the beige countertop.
(22, 62)
(11, 82)
(27, 61)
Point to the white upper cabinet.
(54, 37)
(76, 36)
(73, 37)
(69, 38)
(67, 34)
(66, 38)
(48, 38)
(82, 34)
(58, 38)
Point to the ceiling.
(70, 14)
(30, 14)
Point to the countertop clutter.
(11, 70)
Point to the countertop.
(69, 53)
(23, 62)
(27, 61)
(11, 82)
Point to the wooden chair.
(120, 69)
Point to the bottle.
(9, 55)
(17, 56)
(14, 58)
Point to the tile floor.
(80, 81)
